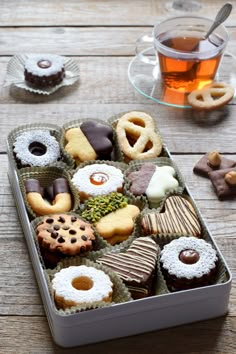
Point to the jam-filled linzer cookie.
(177, 217)
(137, 137)
(188, 262)
(36, 148)
(44, 70)
(98, 179)
(53, 199)
(112, 216)
(136, 267)
(81, 285)
(65, 233)
(90, 141)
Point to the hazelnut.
(230, 177)
(214, 159)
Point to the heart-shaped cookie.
(136, 266)
(178, 217)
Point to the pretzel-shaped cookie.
(137, 136)
(211, 97)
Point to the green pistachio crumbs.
(97, 207)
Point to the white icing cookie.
(162, 182)
(98, 179)
(79, 285)
(171, 260)
(36, 148)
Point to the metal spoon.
(221, 16)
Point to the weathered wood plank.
(212, 336)
(178, 127)
(75, 41)
(95, 13)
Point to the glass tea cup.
(186, 60)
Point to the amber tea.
(187, 74)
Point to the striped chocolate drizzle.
(178, 217)
(135, 265)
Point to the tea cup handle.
(148, 39)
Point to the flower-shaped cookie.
(154, 182)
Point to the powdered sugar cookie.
(97, 179)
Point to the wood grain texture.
(100, 13)
(100, 36)
(93, 41)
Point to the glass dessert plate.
(15, 75)
(146, 79)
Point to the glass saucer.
(146, 79)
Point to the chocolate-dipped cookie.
(136, 267)
(90, 141)
(212, 161)
(224, 182)
(55, 198)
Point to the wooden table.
(100, 35)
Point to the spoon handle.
(222, 15)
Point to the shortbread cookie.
(136, 267)
(188, 262)
(81, 285)
(137, 137)
(177, 217)
(98, 179)
(118, 225)
(212, 161)
(90, 141)
(211, 97)
(154, 182)
(112, 216)
(65, 233)
(53, 199)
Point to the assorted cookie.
(188, 262)
(98, 179)
(221, 171)
(177, 217)
(136, 267)
(81, 285)
(153, 181)
(43, 71)
(112, 216)
(90, 140)
(211, 97)
(54, 198)
(137, 136)
(36, 147)
(115, 166)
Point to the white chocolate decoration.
(162, 182)
(98, 179)
(69, 284)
